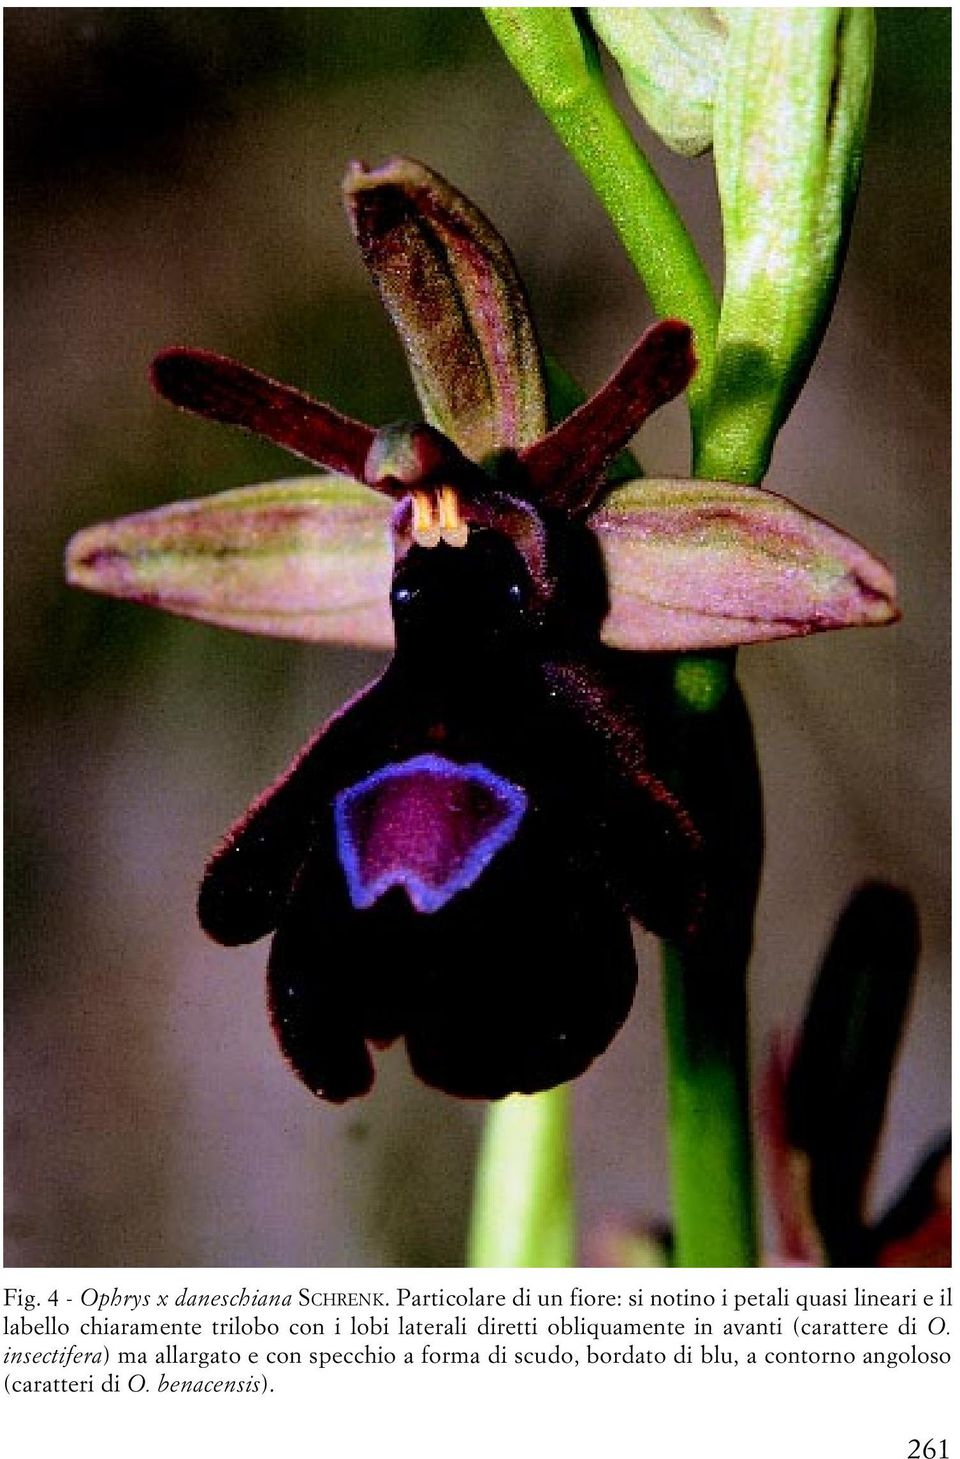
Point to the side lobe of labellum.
(708, 564)
(427, 825)
(220, 389)
(309, 558)
(649, 847)
(249, 879)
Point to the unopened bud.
(790, 117)
(671, 60)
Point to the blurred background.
(172, 177)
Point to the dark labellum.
(453, 860)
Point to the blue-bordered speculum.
(454, 859)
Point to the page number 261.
(927, 1449)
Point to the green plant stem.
(711, 1163)
(711, 760)
(560, 66)
(523, 1198)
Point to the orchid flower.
(454, 858)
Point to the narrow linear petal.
(308, 558)
(450, 285)
(703, 564)
(566, 468)
(223, 390)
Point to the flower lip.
(454, 604)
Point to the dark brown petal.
(222, 390)
(566, 468)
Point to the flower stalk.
(523, 1209)
(711, 1156)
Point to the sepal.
(307, 558)
(703, 564)
(451, 288)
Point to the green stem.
(711, 1169)
(713, 770)
(559, 64)
(523, 1198)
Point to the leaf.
(307, 558)
(703, 564)
(450, 285)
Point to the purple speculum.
(427, 825)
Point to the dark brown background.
(173, 177)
